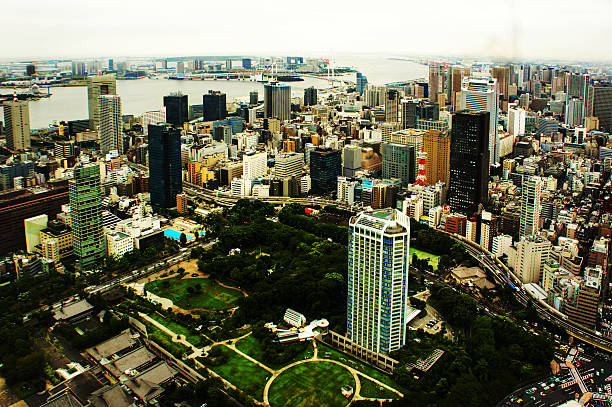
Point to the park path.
(196, 352)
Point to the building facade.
(111, 125)
(165, 165)
(17, 125)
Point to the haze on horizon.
(509, 29)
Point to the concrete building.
(531, 206)
(111, 125)
(277, 101)
(118, 244)
(398, 162)
(437, 146)
(500, 245)
(152, 117)
(289, 164)
(516, 121)
(531, 253)
(377, 307)
(32, 227)
(392, 100)
(17, 125)
(97, 86)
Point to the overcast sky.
(529, 29)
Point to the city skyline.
(479, 29)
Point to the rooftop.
(72, 310)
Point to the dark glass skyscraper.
(469, 161)
(214, 106)
(325, 167)
(177, 109)
(164, 165)
(310, 96)
(413, 111)
(361, 83)
(277, 101)
(398, 162)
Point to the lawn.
(252, 347)
(311, 384)
(432, 258)
(192, 337)
(242, 373)
(327, 352)
(164, 340)
(211, 295)
(372, 390)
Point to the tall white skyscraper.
(531, 206)
(111, 126)
(378, 279)
(516, 121)
(481, 94)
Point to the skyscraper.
(437, 145)
(97, 86)
(599, 104)
(111, 126)
(469, 161)
(531, 253)
(436, 81)
(398, 162)
(214, 105)
(164, 165)
(277, 101)
(378, 251)
(86, 215)
(17, 125)
(325, 167)
(516, 121)
(310, 96)
(502, 74)
(480, 94)
(361, 82)
(531, 206)
(392, 100)
(253, 97)
(177, 108)
(455, 78)
(413, 111)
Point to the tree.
(183, 239)
(190, 290)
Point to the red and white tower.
(421, 160)
(14, 94)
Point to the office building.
(531, 206)
(288, 165)
(577, 85)
(310, 96)
(14, 169)
(253, 97)
(531, 253)
(361, 82)
(398, 162)
(246, 63)
(86, 216)
(111, 125)
(392, 100)
(214, 106)
(488, 229)
(437, 145)
(378, 261)
(469, 161)
(573, 112)
(177, 108)
(413, 138)
(502, 75)
(455, 79)
(414, 111)
(516, 121)
(480, 94)
(436, 82)
(164, 165)
(351, 160)
(32, 227)
(152, 117)
(17, 124)
(254, 165)
(325, 167)
(585, 311)
(277, 101)
(599, 104)
(96, 87)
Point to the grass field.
(327, 352)
(432, 258)
(242, 373)
(211, 296)
(191, 336)
(372, 390)
(164, 340)
(252, 347)
(311, 384)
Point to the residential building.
(181, 202)
(378, 280)
(152, 117)
(86, 216)
(516, 121)
(111, 125)
(531, 206)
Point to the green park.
(432, 259)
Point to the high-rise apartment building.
(398, 162)
(325, 167)
(531, 206)
(96, 87)
(469, 161)
(392, 100)
(177, 108)
(310, 96)
(277, 101)
(214, 106)
(111, 125)
(86, 216)
(164, 165)
(480, 94)
(17, 125)
(378, 279)
(437, 145)
(599, 104)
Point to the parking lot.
(586, 371)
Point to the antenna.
(422, 160)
